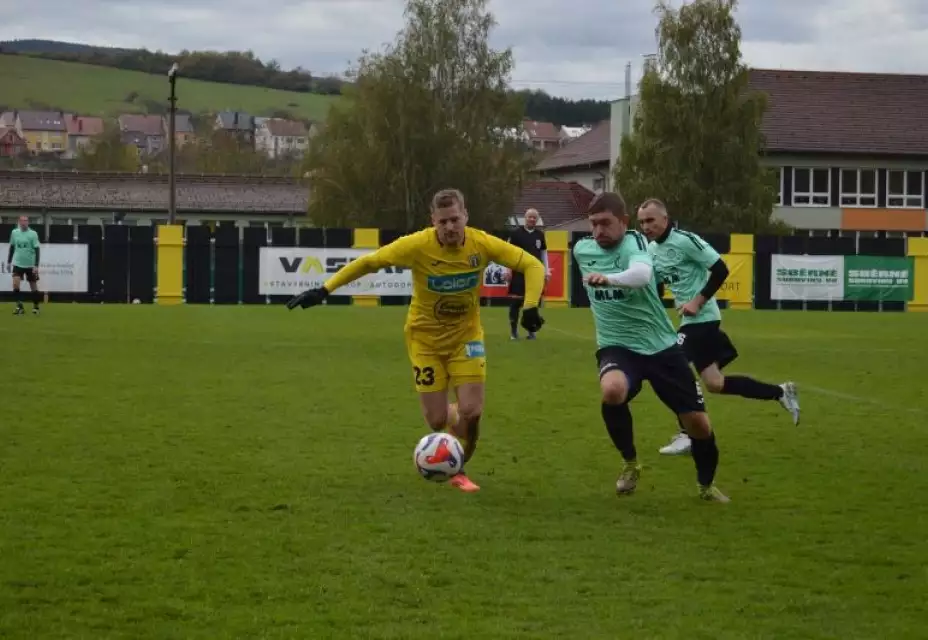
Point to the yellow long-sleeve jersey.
(445, 306)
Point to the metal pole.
(172, 196)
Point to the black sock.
(618, 421)
(514, 316)
(18, 297)
(750, 388)
(36, 298)
(682, 428)
(706, 456)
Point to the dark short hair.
(607, 201)
(447, 198)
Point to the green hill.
(36, 83)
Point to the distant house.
(43, 131)
(143, 132)
(183, 129)
(584, 160)
(237, 123)
(11, 143)
(81, 131)
(277, 137)
(541, 135)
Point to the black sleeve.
(717, 274)
(544, 242)
(37, 250)
(9, 258)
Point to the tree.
(425, 114)
(696, 139)
(107, 152)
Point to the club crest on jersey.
(538, 244)
(454, 282)
(473, 260)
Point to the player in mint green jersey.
(694, 272)
(636, 342)
(24, 258)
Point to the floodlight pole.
(172, 126)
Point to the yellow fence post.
(918, 251)
(170, 264)
(558, 288)
(366, 239)
(739, 286)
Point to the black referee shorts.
(706, 344)
(667, 371)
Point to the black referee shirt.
(532, 242)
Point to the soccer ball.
(438, 457)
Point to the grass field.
(247, 472)
(93, 90)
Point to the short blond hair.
(447, 198)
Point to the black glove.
(308, 298)
(532, 320)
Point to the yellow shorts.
(437, 369)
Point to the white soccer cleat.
(680, 445)
(790, 400)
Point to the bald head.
(531, 218)
(652, 218)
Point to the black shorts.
(667, 371)
(25, 272)
(706, 344)
(517, 285)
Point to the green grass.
(246, 472)
(94, 90)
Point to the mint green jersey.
(681, 261)
(634, 319)
(24, 244)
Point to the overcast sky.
(573, 48)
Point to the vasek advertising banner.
(62, 268)
(841, 278)
(289, 270)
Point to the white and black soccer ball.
(438, 457)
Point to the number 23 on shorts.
(425, 376)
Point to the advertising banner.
(494, 286)
(62, 268)
(739, 285)
(878, 278)
(806, 277)
(289, 270)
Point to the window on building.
(858, 187)
(599, 184)
(811, 187)
(905, 189)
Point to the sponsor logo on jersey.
(454, 283)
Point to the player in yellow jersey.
(444, 335)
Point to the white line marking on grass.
(807, 387)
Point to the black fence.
(222, 265)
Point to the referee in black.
(530, 239)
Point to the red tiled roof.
(590, 148)
(839, 112)
(557, 202)
(541, 130)
(83, 125)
